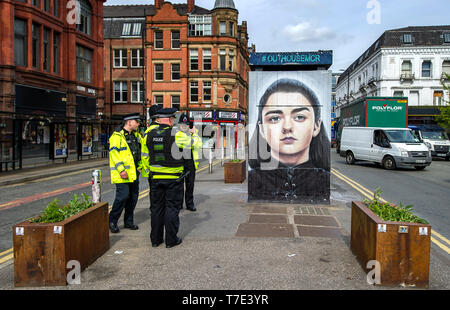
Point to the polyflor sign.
(387, 113)
(387, 108)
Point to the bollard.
(210, 161)
(96, 186)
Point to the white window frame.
(193, 55)
(158, 40)
(159, 96)
(206, 86)
(223, 53)
(174, 40)
(222, 30)
(206, 56)
(231, 60)
(138, 57)
(121, 58)
(446, 64)
(121, 91)
(139, 91)
(192, 85)
(179, 101)
(431, 68)
(154, 68)
(200, 25)
(172, 71)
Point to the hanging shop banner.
(86, 139)
(60, 141)
(289, 130)
(228, 115)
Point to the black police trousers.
(127, 195)
(166, 200)
(189, 180)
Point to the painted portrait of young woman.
(289, 159)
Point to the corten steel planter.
(235, 172)
(42, 251)
(402, 249)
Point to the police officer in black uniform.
(166, 181)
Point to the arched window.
(85, 20)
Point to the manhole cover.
(313, 231)
(260, 218)
(265, 230)
(315, 220)
(269, 209)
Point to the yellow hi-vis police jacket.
(121, 158)
(145, 153)
(192, 141)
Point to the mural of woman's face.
(288, 125)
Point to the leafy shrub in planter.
(388, 212)
(55, 212)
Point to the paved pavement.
(220, 251)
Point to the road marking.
(367, 193)
(40, 196)
(6, 258)
(6, 252)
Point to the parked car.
(390, 147)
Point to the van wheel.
(389, 163)
(350, 158)
(419, 167)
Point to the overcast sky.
(348, 27)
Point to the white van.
(390, 147)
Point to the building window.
(46, 50)
(230, 60)
(447, 37)
(175, 39)
(223, 28)
(175, 72)
(406, 67)
(398, 93)
(137, 91)
(158, 39)
(36, 3)
(20, 42)
(159, 99)
(137, 58)
(222, 56)
(56, 8)
(56, 38)
(194, 91)
(175, 102)
(120, 58)
(36, 30)
(407, 39)
(200, 25)
(85, 17)
(446, 67)
(206, 59)
(120, 92)
(46, 5)
(193, 59)
(437, 98)
(126, 30)
(84, 64)
(137, 29)
(159, 72)
(426, 68)
(231, 29)
(206, 91)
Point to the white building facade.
(407, 62)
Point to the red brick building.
(51, 80)
(194, 59)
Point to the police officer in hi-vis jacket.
(165, 178)
(188, 137)
(125, 165)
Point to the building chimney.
(190, 5)
(158, 4)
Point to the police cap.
(135, 116)
(184, 119)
